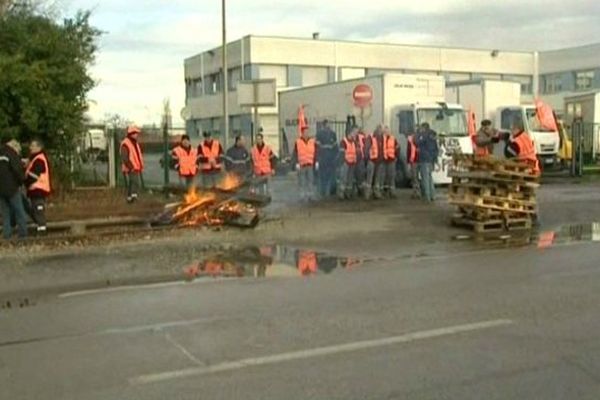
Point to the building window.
(584, 80)
(235, 75)
(279, 72)
(553, 83)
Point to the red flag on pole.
(302, 123)
(545, 116)
(471, 124)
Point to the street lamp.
(225, 84)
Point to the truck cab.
(450, 124)
(546, 141)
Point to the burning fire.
(230, 182)
(209, 207)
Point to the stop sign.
(362, 95)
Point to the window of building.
(279, 72)
(584, 80)
(314, 76)
(235, 75)
(552, 83)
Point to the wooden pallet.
(492, 225)
(479, 190)
(496, 176)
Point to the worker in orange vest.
(412, 156)
(184, 158)
(210, 157)
(485, 139)
(306, 261)
(263, 164)
(37, 182)
(391, 151)
(132, 162)
(360, 171)
(521, 147)
(305, 160)
(348, 162)
(374, 150)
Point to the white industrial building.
(296, 62)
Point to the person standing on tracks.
(184, 158)
(374, 149)
(427, 147)
(263, 164)
(391, 151)
(305, 160)
(237, 159)
(210, 157)
(328, 153)
(37, 182)
(348, 161)
(485, 139)
(132, 162)
(12, 177)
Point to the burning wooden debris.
(229, 203)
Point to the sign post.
(362, 95)
(256, 93)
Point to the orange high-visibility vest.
(350, 151)
(135, 156)
(186, 159)
(261, 159)
(306, 152)
(527, 151)
(43, 181)
(389, 148)
(374, 151)
(412, 150)
(307, 262)
(212, 153)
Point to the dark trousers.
(38, 212)
(132, 183)
(13, 206)
(327, 178)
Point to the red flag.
(471, 124)
(302, 123)
(545, 116)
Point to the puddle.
(267, 261)
(576, 233)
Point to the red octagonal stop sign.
(362, 95)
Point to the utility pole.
(225, 83)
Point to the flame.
(230, 182)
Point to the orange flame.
(230, 182)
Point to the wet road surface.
(501, 324)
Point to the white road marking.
(185, 352)
(158, 285)
(317, 352)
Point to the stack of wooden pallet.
(493, 195)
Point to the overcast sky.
(145, 42)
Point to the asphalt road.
(517, 323)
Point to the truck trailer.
(398, 100)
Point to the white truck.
(500, 102)
(400, 101)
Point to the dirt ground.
(101, 203)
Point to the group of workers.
(363, 164)
(24, 187)
(207, 162)
(518, 144)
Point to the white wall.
(572, 59)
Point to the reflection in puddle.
(570, 234)
(267, 261)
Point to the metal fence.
(585, 139)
